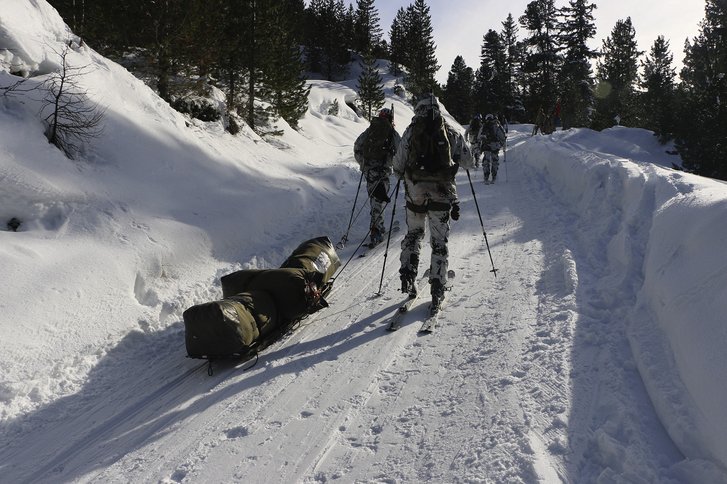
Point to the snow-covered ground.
(596, 355)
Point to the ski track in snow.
(505, 375)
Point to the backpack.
(493, 134)
(378, 144)
(429, 157)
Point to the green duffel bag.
(260, 304)
(287, 287)
(299, 286)
(229, 327)
(315, 255)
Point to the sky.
(595, 355)
(459, 25)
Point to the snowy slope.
(596, 355)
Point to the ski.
(431, 322)
(395, 320)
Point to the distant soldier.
(492, 139)
(472, 134)
(374, 151)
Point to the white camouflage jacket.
(445, 189)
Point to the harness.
(429, 206)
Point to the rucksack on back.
(378, 143)
(429, 156)
(493, 134)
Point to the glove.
(455, 211)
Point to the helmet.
(426, 104)
(478, 117)
(490, 117)
(387, 113)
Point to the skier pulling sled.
(260, 305)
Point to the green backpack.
(378, 145)
(429, 157)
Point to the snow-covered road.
(494, 395)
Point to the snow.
(596, 355)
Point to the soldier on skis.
(492, 139)
(428, 158)
(472, 135)
(374, 150)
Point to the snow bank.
(31, 34)
(140, 228)
(667, 245)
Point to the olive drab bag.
(429, 157)
(259, 305)
(378, 143)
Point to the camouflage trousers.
(476, 153)
(416, 220)
(377, 183)
(490, 163)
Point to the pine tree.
(513, 104)
(233, 46)
(348, 27)
(457, 94)
(576, 76)
(541, 59)
(367, 31)
(370, 87)
(617, 76)
(702, 138)
(398, 47)
(491, 88)
(422, 61)
(282, 82)
(657, 97)
(327, 38)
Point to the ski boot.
(376, 237)
(407, 283)
(437, 290)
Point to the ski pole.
(494, 271)
(344, 239)
(353, 254)
(388, 238)
(504, 153)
